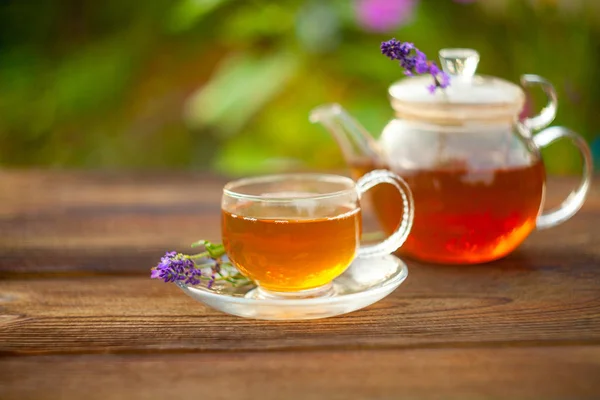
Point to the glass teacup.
(294, 234)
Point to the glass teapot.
(473, 165)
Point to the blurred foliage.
(228, 84)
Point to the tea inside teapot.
(462, 215)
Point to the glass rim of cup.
(230, 188)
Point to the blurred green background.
(227, 85)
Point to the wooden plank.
(498, 373)
(550, 298)
(66, 223)
(101, 222)
(62, 212)
(139, 248)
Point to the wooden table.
(80, 318)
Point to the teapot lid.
(469, 98)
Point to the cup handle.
(396, 239)
(575, 200)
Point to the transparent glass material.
(365, 281)
(472, 162)
(294, 234)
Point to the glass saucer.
(366, 281)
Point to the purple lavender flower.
(155, 273)
(444, 80)
(414, 61)
(176, 267)
(421, 66)
(193, 269)
(396, 50)
(193, 276)
(167, 274)
(211, 281)
(391, 49)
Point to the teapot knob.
(459, 62)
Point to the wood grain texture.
(89, 223)
(65, 211)
(101, 223)
(554, 299)
(500, 373)
(80, 318)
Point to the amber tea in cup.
(294, 234)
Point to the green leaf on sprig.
(214, 250)
(199, 243)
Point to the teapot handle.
(575, 200)
(546, 116)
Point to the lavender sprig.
(210, 266)
(414, 62)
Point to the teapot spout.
(357, 145)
